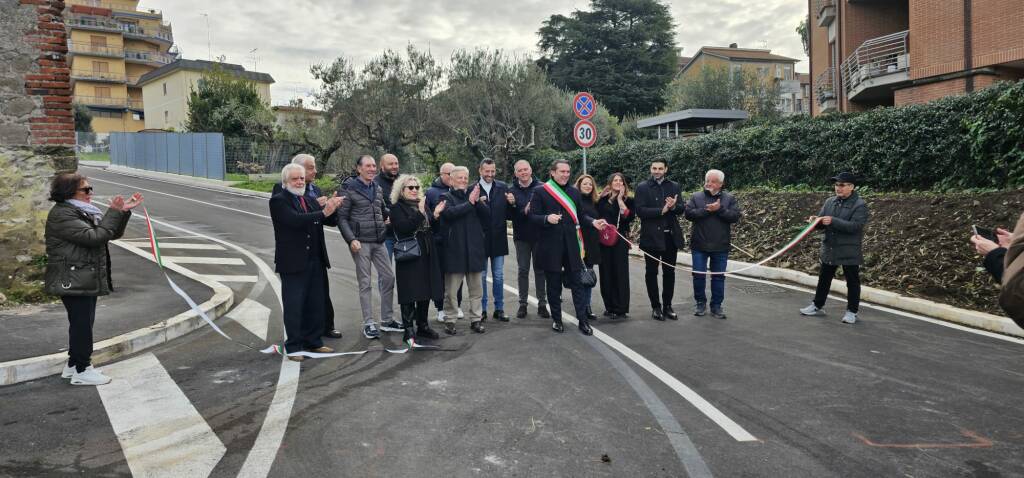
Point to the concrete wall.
(36, 124)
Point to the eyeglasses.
(87, 189)
(414, 188)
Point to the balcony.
(148, 57)
(102, 101)
(874, 67)
(824, 89)
(117, 6)
(95, 50)
(160, 35)
(826, 12)
(92, 23)
(102, 76)
(135, 103)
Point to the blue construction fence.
(190, 154)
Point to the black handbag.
(587, 277)
(407, 249)
(72, 279)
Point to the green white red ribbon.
(567, 203)
(792, 243)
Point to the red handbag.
(608, 236)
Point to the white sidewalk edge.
(32, 368)
(211, 184)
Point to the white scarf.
(87, 208)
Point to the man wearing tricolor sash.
(553, 209)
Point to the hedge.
(973, 141)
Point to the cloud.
(289, 37)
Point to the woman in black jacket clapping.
(418, 279)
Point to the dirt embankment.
(915, 244)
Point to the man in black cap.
(843, 219)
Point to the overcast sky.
(289, 36)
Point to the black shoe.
(585, 328)
(483, 318)
(392, 326)
(717, 313)
(477, 326)
(449, 328)
(656, 314)
(609, 314)
(333, 333)
(500, 316)
(591, 316)
(425, 332)
(521, 313)
(407, 334)
(542, 311)
(699, 309)
(669, 313)
(620, 317)
(557, 327)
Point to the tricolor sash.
(567, 203)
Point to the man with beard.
(386, 179)
(658, 207)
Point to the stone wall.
(36, 127)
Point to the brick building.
(868, 53)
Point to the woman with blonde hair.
(615, 205)
(418, 274)
(591, 247)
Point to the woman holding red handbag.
(615, 205)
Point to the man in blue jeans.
(497, 197)
(713, 211)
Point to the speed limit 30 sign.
(585, 133)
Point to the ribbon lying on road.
(793, 242)
(278, 349)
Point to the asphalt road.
(765, 393)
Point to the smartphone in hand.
(986, 233)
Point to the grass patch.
(236, 177)
(95, 156)
(326, 184)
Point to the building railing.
(98, 75)
(91, 49)
(824, 85)
(93, 23)
(876, 57)
(135, 104)
(102, 101)
(161, 33)
(148, 56)
(114, 5)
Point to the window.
(106, 114)
(735, 69)
(101, 67)
(789, 73)
(102, 91)
(97, 40)
(137, 116)
(165, 91)
(762, 71)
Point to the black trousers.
(81, 316)
(302, 295)
(668, 274)
(328, 305)
(852, 274)
(614, 271)
(415, 313)
(553, 281)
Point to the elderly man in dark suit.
(313, 193)
(300, 257)
(554, 210)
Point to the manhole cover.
(760, 289)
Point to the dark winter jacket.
(712, 231)
(841, 245)
(360, 216)
(499, 212)
(521, 228)
(591, 245)
(419, 279)
(298, 233)
(385, 183)
(556, 240)
(462, 223)
(437, 189)
(609, 211)
(74, 239)
(650, 199)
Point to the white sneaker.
(812, 310)
(849, 318)
(68, 371)
(440, 316)
(461, 315)
(90, 376)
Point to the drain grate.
(759, 289)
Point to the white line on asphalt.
(159, 430)
(225, 261)
(231, 278)
(177, 245)
(192, 186)
(732, 428)
(252, 315)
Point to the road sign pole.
(584, 160)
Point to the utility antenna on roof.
(764, 44)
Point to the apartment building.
(111, 44)
(763, 63)
(870, 53)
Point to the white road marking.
(231, 278)
(227, 261)
(177, 245)
(252, 315)
(732, 428)
(160, 432)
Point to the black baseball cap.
(845, 177)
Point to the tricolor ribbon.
(567, 203)
(792, 243)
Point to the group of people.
(437, 244)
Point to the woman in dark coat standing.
(616, 206)
(419, 280)
(78, 263)
(591, 247)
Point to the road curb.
(186, 180)
(32, 368)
